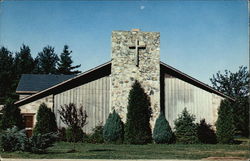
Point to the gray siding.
(93, 96)
(180, 94)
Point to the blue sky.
(197, 37)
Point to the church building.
(135, 56)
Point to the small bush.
(86, 138)
(46, 121)
(75, 135)
(40, 142)
(62, 134)
(14, 140)
(185, 128)
(224, 125)
(97, 135)
(205, 133)
(113, 130)
(162, 133)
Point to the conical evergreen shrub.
(46, 121)
(206, 133)
(224, 125)
(113, 130)
(11, 116)
(185, 128)
(162, 133)
(137, 127)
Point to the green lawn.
(150, 151)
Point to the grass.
(125, 151)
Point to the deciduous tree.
(236, 85)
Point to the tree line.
(13, 65)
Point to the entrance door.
(28, 123)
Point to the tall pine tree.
(24, 63)
(47, 61)
(137, 128)
(6, 74)
(65, 63)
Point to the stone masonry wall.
(33, 107)
(124, 70)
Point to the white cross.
(137, 47)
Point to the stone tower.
(135, 56)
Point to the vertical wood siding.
(93, 96)
(180, 94)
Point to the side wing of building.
(90, 89)
(181, 91)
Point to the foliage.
(137, 128)
(97, 135)
(47, 61)
(75, 118)
(40, 142)
(24, 63)
(72, 116)
(14, 139)
(241, 116)
(185, 128)
(65, 62)
(46, 121)
(205, 133)
(11, 116)
(6, 74)
(236, 85)
(62, 134)
(74, 135)
(224, 125)
(113, 130)
(162, 132)
(13, 65)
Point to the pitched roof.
(33, 83)
(191, 80)
(104, 70)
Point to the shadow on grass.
(100, 150)
(237, 142)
